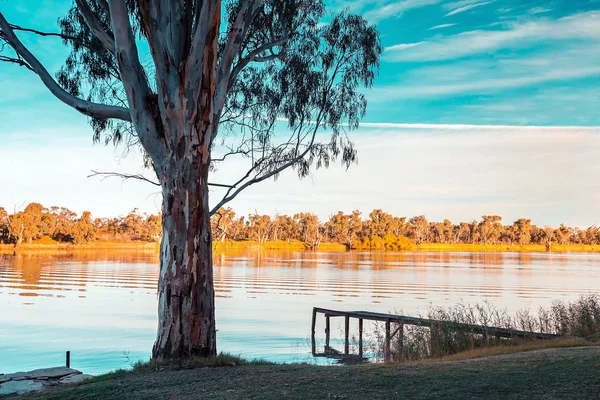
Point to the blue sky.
(487, 62)
(448, 131)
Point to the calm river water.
(102, 307)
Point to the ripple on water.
(104, 310)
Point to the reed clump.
(577, 322)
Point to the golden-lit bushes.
(386, 243)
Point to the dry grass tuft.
(579, 321)
(512, 347)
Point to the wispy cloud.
(403, 46)
(539, 10)
(395, 9)
(471, 127)
(471, 85)
(458, 171)
(465, 5)
(578, 26)
(441, 26)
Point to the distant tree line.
(383, 230)
(62, 225)
(379, 230)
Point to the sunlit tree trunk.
(186, 296)
(187, 108)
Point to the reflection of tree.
(525, 258)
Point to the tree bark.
(186, 291)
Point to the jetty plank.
(479, 329)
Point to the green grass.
(541, 374)
(222, 360)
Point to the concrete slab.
(14, 377)
(20, 387)
(52, 373)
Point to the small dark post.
(312, 336)
(327, 332)
(401, 340)
(347, 329)
(68, 361)
(360, 337)
(386, 350)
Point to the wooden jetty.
(402, 320)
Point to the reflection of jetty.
(400, 321)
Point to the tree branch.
(134, 81)
(94, 24)
(257, 179)
(91, 109)
(254, 56)
(138, 177)
(237, 32)
(125, 177)
(40, 33)
(18, 61)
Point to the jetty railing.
(402, 320)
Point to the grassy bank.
(540, 374)
(291, 246)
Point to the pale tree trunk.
(186, 298)
(186, 306)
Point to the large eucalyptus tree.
(276, 82)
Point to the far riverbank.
(287, 246)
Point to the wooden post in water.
(360, 337)
(312, 336)
(327, 333)
(347, 330)
(68, 359)
(387, 349)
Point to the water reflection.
(102, 306)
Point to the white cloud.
(578, 26)
(466, 6)
(458, 172)
(470, 127)
(395, 9)
(539, 10)
(441, 26)
(484, 85)
(402, 46)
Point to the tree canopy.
(222, 74)
(285, 70)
